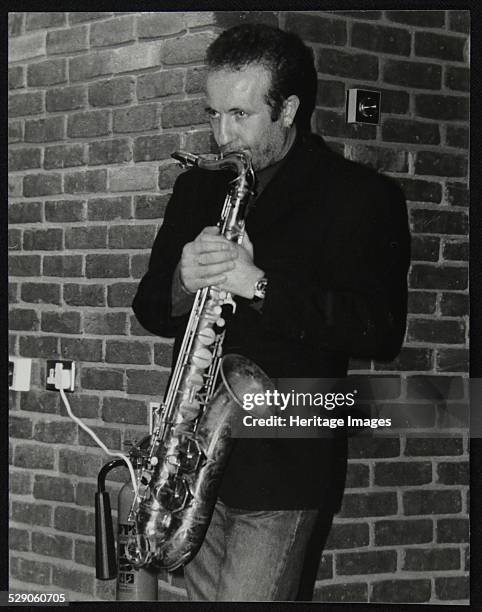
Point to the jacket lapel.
(291, 187)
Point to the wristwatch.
(260, 289)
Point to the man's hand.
(211, 259)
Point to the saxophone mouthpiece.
(186, 159)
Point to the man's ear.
(290, 106)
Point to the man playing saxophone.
(319, 277)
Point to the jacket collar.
(292, 186)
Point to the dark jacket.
(332, 238)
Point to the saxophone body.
(191, 441)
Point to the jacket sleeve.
(152, 302)
(356, 302)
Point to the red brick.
(454, 304)
(74, 520)
(412, 74)
(38, 21)
(19, 427)
(64, 211)
(61, 322)
(440, 164)
(417, 132)
(43, 346)
(440, 46)
(317, 29)
(15, 131)
(79, 462)
(440, 222)
(52, 545)
(29, 103)
(146, 382)
(154, 25)
(435, 277)
(45, 130)
(332, 124)
(109, 152)
(453, 530)
(364, 448)
(85, 67)
(444, 108)
(406, 473)
(108, 323)
(102, 379)
(62, 265)
(86, 181)
(163, 354)
(112, 31)
(453, 360)
(106, 209)
(186, 49)
(136, 118)
(23, 159)
(40, 401)
(453, 473)
(16, 77)
(427, 447)
(84, 295)
(34, 456)
(457, 136)
(15, 23)
(55, 432)
(23, 319)
(72, 97)
(160, 84)
(32, 514)
(70, 40)
(368, 504)
(110, 437)
(131, 237)
(384, 159)
(112, 92)
(457, 194)
(159, 146)
(121, 294)
(43, 239)
(336, 593)
(83, 406)
(150, 206)
(81, 349)
(53, 488)
(452, 588)
(120, 410)
(50, 72)
(401, 591)
(381, 39)
(24, 265)
(459, 21)
(343, 64)
(35, 185)
(81, 17)
(90, 123)
(428, 560)
(425, 19)
(64, 156)
(24, 212)
(127, 352)
(457, 78)
(27, 570)
(18, 539)
(369, 562)
(40, 293)
(107, 266)
(86, 237)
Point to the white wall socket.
(19, 372)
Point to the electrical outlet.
(19, 371)
(60, 375)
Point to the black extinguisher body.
(132, 584)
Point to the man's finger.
(214, 257)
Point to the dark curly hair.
(289, 61)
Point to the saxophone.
(191, 436)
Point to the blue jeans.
(250, 555)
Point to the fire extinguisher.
(132, 584)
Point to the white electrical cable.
(96, 439)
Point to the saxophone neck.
(237, 161)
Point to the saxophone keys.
(206, 336)
(202, 358)
(220, 322)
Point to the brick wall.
(97, 103)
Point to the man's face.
(240, 116)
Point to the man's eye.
(241, 114)
(212, 114)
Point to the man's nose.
(224, 133)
